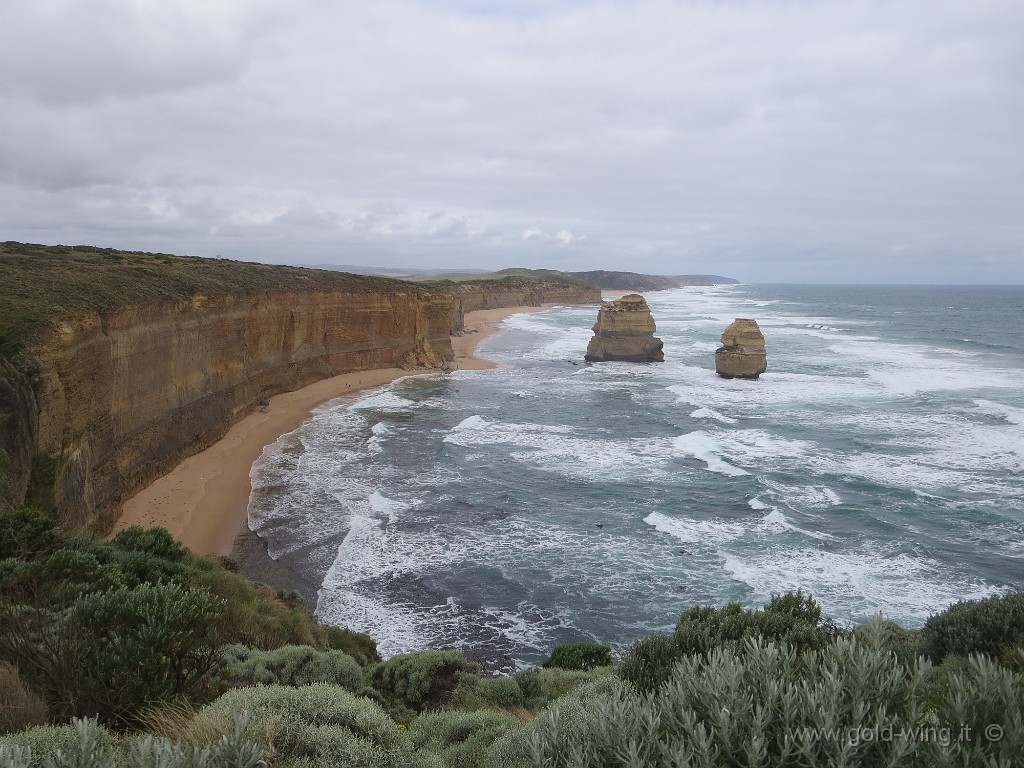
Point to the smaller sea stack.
(742, 354)
(625, 331)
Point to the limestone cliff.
(625, 331)
(97, 403)
(471, 296)
(742, 354)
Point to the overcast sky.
(769, 140)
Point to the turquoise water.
(878, 464)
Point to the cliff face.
(122, 395)
(496, 294)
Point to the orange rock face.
(625, 331)
(742, 354)
(124, 395)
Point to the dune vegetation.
(136, 652)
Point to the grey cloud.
(786, 139)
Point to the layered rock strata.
(742, 354)
(497, 294)
(121, 396)
(625, 331)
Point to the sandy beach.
(203, 501)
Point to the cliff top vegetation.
(41, 282)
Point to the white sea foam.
(363, 556)
(805, 496)
(556, 448)
(1000, 410)
(858, 583)
(692, 531)
(474, 423)
(384, 401)
(756, 503)
(705, 447)
(382, 505)
(709, 413)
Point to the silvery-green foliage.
(984, 701)
(232, 750)
(462, 739)
(313, 721)
(93, 748)
(851, 703)
(15, 757)
(73, 744)
(291, 665)
(41, 740)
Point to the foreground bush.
(460, 739)
(994, 627)
(415, 682)
(850, 703)
(26, 533)
(290, 665)
(86, 744)
(114, 652)
(109, 628)
(794, 619)
(582, 656)
(315, 726)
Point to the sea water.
(878, 465)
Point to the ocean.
(878, 465)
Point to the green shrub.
(26, 533)
(476, 692)
(460, 739)
(761, 704)
(358, 645)
(253, 615)
(563, 722)
(231, 750)
(115, 652)
(904, 643)
(290, 665)
(156, 542)
(324, 725)
(993, 626)
(523, 692)
(83, 744)
(793, 618)
(579, 656)
(650, 662)
(415, 682)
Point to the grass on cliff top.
(39, 283)
(500, 281)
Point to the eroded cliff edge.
(116, 366)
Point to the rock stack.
(625, 331)
(742, 354)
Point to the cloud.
(783, 140)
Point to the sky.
(768, 140)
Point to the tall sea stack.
(742, 354)
(625, 331)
